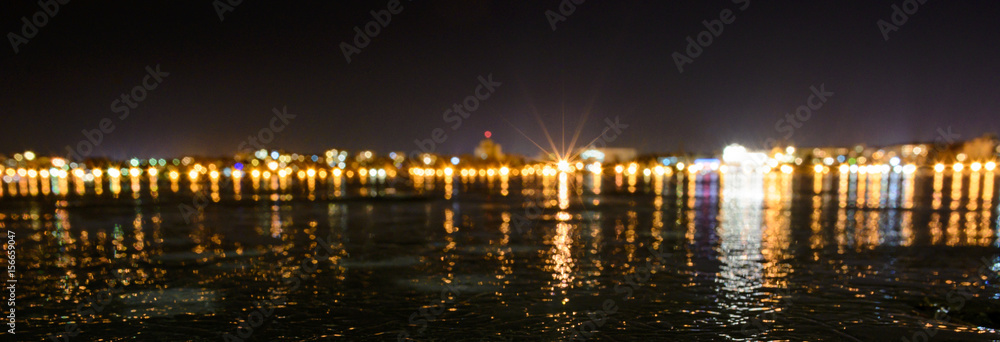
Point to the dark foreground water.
(775, 257)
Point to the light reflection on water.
(852, 255)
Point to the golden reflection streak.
(777, 232)
(937, 187)
(956, 190)
(560, 256)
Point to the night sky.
(608, 58)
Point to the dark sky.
(608, 59)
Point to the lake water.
(704, 257)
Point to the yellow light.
(273, 165)
(133, 172)
(237, 174)
(44, 173)
(491, 172)
(658, 169)
(78, 173)
(311, 173)
(193, 174)
(976, 166)
(96, 172)
(301, 174)
(336, 172)
(680, 166)
(448, 172)
(958, 167)
(214, 174)
(267, 174)
(152, 171)
(504, 171)
(114, 173)
(174, 175)
(818, 168)
(579, 165)
(29, 155)
(282, 173)
(787, 169)
(938, 167)
(619, 168)
(255, 173)
(990, 166)
(58, 162)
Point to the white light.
(563, 166)
(734, 154)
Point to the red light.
(488, 134)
